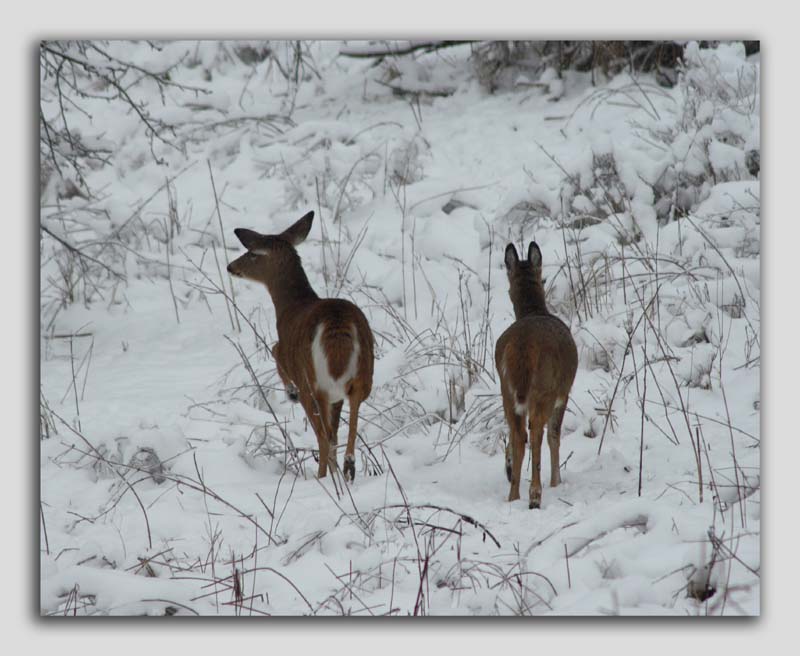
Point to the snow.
(415, 533)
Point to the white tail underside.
(335, 388)
(521, 409)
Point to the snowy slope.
(415, 203)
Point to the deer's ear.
(534, 255)
(297, 233)
(250, 238)
(512, 259)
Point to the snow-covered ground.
(644, 202)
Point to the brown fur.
(536, 359)
(337, 340)
(273, 261)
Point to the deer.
(536, 359)
(325, 348)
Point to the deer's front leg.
(291, 389)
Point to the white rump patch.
(334, 388)
(520, 408)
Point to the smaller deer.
(537, 360)
(325, 349)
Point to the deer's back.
(538, 351)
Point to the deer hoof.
(535, 504)
(535, 499)
(349, 468)
(292, 393)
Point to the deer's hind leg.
(538, 416)
(352, 431)
(515, 452)
(291, 389)
(318, 411)
(554, 440)
(336, 413)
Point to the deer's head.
(269, 256)
(525, 285)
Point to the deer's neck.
(529, 301)
(290, 288)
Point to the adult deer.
(324, 352)
(537, 359)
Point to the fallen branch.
(396, 48)
(416, 93)
(466, 518)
